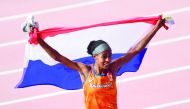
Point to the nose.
(108, 59)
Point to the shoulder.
(113, 70)
(82, 66)
(84, 72)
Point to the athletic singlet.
(100, 91)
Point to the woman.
(99, 79)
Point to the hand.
(29, 24)
(161, 22)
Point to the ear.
(94, 56)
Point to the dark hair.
(93, 44)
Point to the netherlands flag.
(41, 69)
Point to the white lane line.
(90, 2)
(149, 75)
(152, 44)
(38, 97)
(70, 7)
(169, 104)
(155, 74)
(180, 38)
(171, 12)
(168, 41)
(176, 11)
(11, 71)
(12, 43)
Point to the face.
(103, 59)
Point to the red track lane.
(14, 33)
(9, 92)
(182, 106)
(154, 91)
(132, 95)
(159, 62)
(10, 7)
(12, 57)
(163, 56)
(112, 10)
(181, 27)
(67, 101)
(176, 31)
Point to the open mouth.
(106, 65)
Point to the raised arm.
(138, 47)
(31, 26)
(58, 57)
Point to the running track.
(161, 83)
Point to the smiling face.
(103, 59)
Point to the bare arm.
(80, 67)
(137, 48)
(30, 25)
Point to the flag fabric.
(41, 69)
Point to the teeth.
(106, 64)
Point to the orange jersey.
(100, 91)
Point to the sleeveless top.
(100, 92)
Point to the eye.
(104, 56)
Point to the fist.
(29, 24)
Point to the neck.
(98, 70)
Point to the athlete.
(99, 79)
